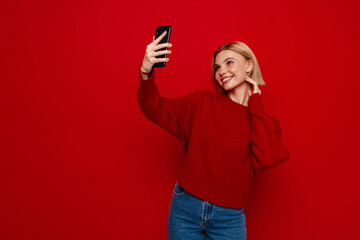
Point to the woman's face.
(231, 69)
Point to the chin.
(226, 90)
(229, 88)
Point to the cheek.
(240, 71)
(217, 77)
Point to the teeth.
(227, 79)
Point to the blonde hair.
(244, 50)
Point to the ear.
(249, 65)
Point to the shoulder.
(200, 98)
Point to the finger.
(250, 80)
(160, 53)
(252, 83)
(249, 93)
(157, 60)
(153, 38)
(156, 41)
(160, 46)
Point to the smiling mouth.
(226, 79)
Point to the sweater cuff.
(255, 104)
(150, 76)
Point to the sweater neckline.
(228, 99)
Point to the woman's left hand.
(256, 88)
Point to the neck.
(240, 94)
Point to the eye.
(216, 68)
(229, 62)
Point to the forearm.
(266, 138)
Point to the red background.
(78, 159)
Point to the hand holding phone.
(165, 39)
(156, 52)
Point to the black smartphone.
(166, 39)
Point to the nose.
(222, 71)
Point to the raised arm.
(174, 115)
(171, 114)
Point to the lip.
(227, 77)
(222, 79)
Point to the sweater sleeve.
(171, 114)
(267, 147)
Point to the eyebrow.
(225, 60)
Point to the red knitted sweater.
(225, 141)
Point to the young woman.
(228, 137)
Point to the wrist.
(144, 70)
(145, 74)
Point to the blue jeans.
(191, 218)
